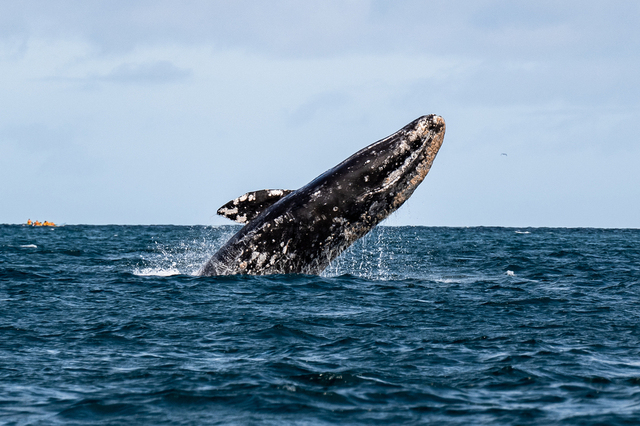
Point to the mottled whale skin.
(302, 231)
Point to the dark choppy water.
(108, 325)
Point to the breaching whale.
(302, 231)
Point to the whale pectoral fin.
(248, 206)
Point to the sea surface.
(109, 325)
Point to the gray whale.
(302, 231)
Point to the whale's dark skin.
(302, 231)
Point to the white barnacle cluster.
(228, 212)
(232, 213)
(350, 234)
(275, 192)
(418, 131)
(404, 146)
(339, 220)
(258, 258)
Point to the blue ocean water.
(108, 325)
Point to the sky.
(159, 112)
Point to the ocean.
(109, 325)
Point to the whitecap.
(156, 272)
(511, 273)
(447, 280)
(29, 246)
(452, 279)
(523, 232)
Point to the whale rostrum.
(301, 231)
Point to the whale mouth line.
(395, 176)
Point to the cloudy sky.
(159, 112)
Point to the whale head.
(375, 181)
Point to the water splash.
(385, 254)
(368, 258)
(184, 257)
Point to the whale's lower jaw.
(304, 230)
